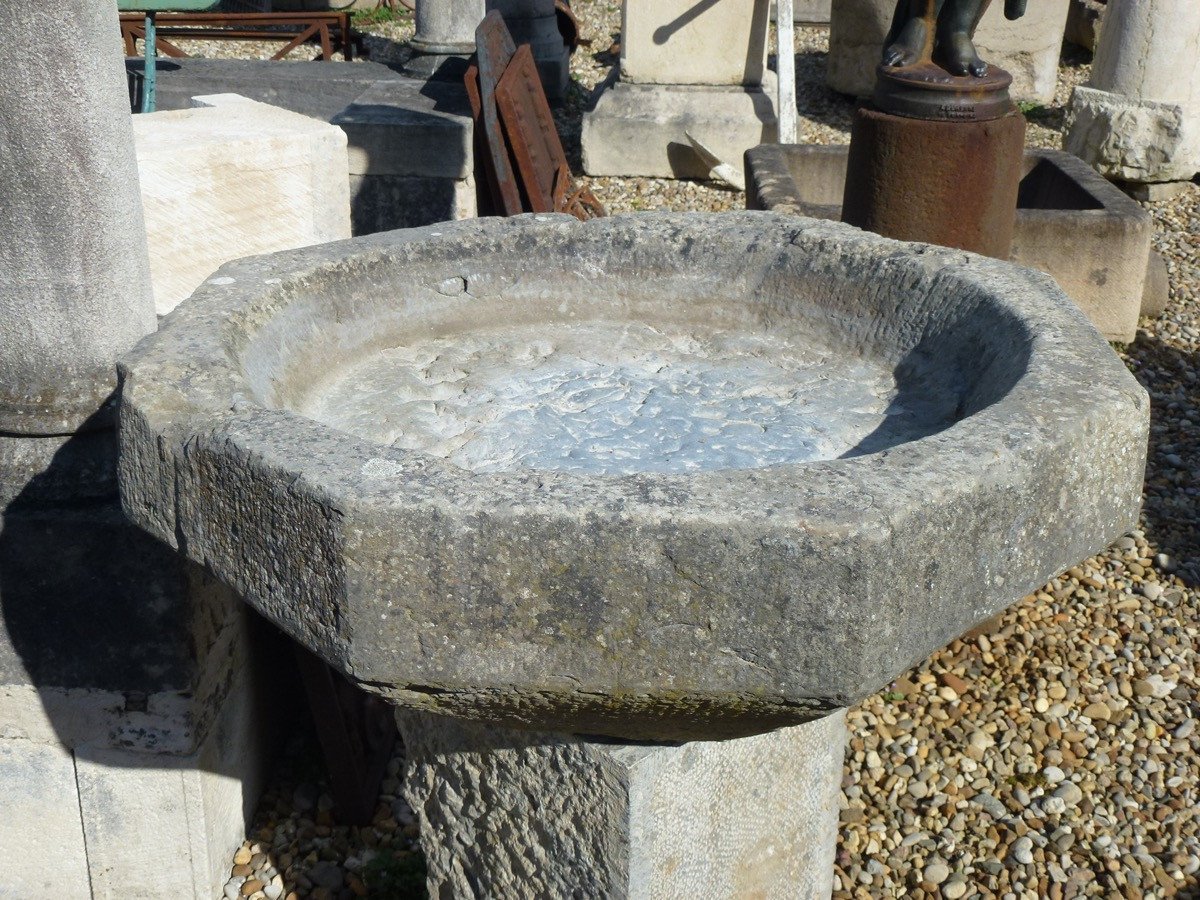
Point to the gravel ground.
(1051, 753)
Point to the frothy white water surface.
(617, 397)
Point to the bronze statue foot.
(909, 46)
(957, 55)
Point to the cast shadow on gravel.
(1171, 509)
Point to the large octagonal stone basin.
(656, 476)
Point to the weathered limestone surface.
(1029, 48)
(233, 178)
(681, 42)
(74, 286)
(514, 813)
(667, 606)
(1138, 118)
(686, 69)
(642, 129)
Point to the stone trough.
(658, 477)
(1071, 223)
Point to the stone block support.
(1029, 48)
(513, 813)
(232, 178)
(1138, 118)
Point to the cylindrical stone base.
(507, 813)
(948, 183)
(74, 269)
(444, 39)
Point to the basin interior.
(498, 372)
(612, 397)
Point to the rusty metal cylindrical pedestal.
(952, 183)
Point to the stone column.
(1028, 48)
(687, 68)
(127, 711)
(534, 22)
(74, 272)
(512, 813)
(1138, 119)
(445, 37)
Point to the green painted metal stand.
(150, 70)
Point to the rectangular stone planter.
(1071, 224)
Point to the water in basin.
(623, 397)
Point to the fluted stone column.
(1138, 118)
(74, 273)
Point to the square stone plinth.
(685, 42)
(136, 692)
(1071, 224)
(234, 178)
(507, 813)
(642, 129)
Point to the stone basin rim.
(820, 581)
(224, 396)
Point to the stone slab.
(99, 810)
(1071, 223)
(401, 131)
(641, 129)
(320, 92)
(684, 42)
(1083, 23)
(508, 813)
(231, 178)
(41, 833)
(387, 202)
(535, 597)
(1028, 48)
(1131, 139)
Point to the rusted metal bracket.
(518, 147)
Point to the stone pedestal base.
(80, 820)
(1133, 140)
(641, 129)
(508, 813)
(948, 183)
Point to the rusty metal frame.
(332, 29)
(517, 144)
